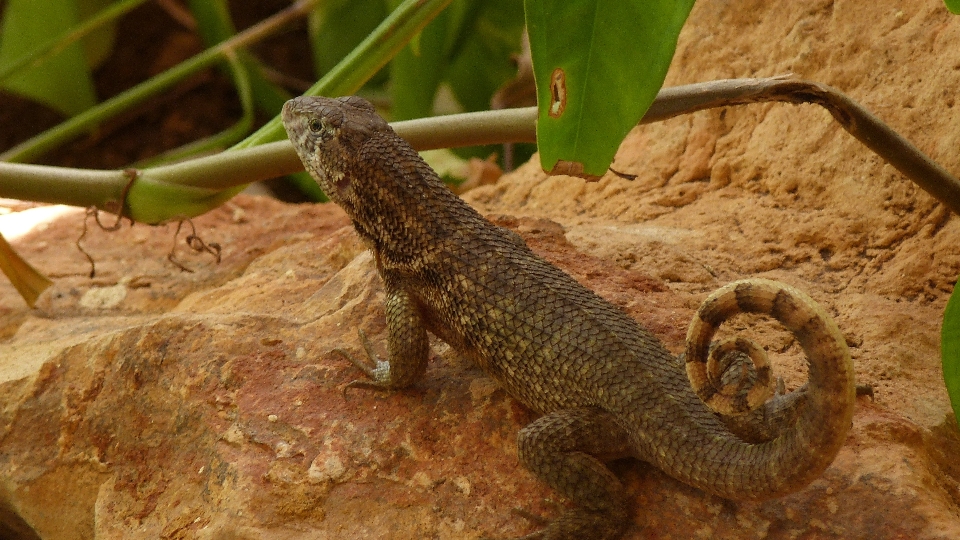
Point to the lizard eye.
(315, 125)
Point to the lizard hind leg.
(564, 449)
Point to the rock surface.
(153, 403)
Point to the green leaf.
(416, 71)
(950, 349)
(469, 46)
(63, 82)
(336, 27)
(482, 60)
(598, 65)
(28, 281)
(953, 6)
(98, 44)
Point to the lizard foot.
(379, 373)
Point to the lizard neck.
(403, 210)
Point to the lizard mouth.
(287, 112)
(294, 122)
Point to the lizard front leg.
(407, 345)
(564, 449)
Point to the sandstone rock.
(149, 402)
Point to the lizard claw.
(372, 356)
(537, 520)
(379, 366)
(362, 366)
(363, 383)
(540, 521)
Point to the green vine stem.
(183, 189)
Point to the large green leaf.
(63, 82)
(950, 350)
(598, 66)
(953, 6)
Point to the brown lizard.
(604, 386)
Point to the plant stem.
(270, 160)
(60, 185)
(240, 71)
(207, 176)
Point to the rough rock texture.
(152, 403)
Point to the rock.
(150, 402)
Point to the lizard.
(603, 386)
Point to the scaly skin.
(604, 386)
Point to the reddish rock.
(150, 402)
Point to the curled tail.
(799, 453)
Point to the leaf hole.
(558, 92)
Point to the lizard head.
(328, 134)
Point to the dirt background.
(771, 190)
